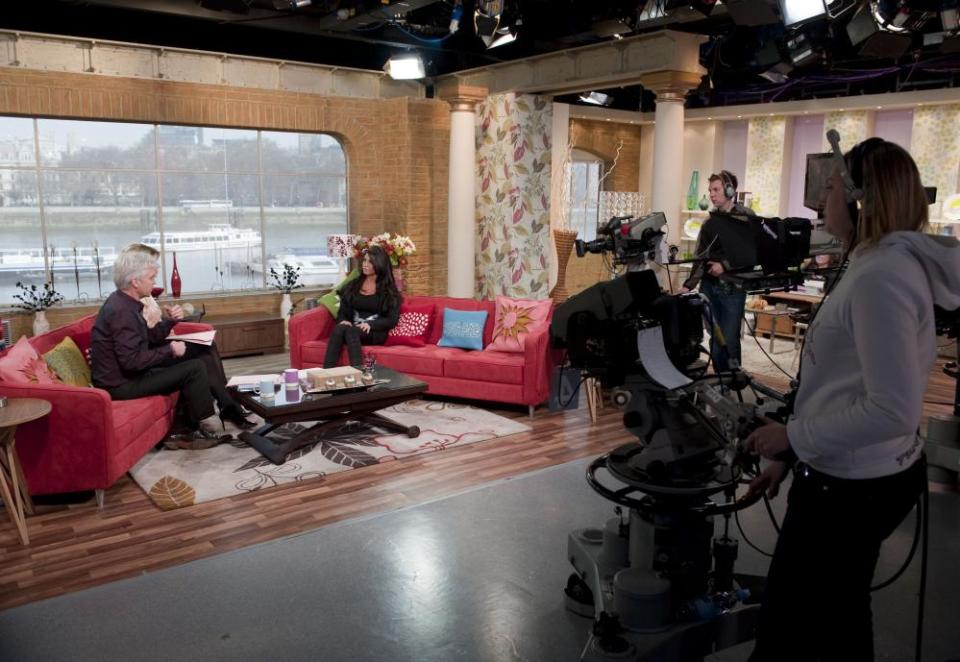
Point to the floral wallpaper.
(513, 196)
(935, 146)
(852, 125)
(766, 137)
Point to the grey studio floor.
(475, 576)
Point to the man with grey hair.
(131, 360)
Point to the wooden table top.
(794, 296)
(23, 410)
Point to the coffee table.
(331, 409)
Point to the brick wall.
(601, 139)
(397, 149)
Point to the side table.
(13, 486)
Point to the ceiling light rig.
(281, 5)
(596, 98)
(405, 67)
(496, 23)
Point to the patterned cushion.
(413, 327)
(463, 328)
(69, 364)
(22, 365)
(331, 300)
(515, 319)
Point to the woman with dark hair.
(369, 308)
(853, 437)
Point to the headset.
(729, 184)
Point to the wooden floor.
(77, 546)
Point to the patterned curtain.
(513, 196)
(765, 140)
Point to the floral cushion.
(22, 365)
(413, 327)
(68, 363)
(515, 320)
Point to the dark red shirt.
(122, 347)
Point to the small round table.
(13, 486)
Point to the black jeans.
(817, 602)
(354, 338)
(187, 376)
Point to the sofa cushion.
(68, 363)
(497, 367)
(313, 352)
(515, 320)
(22, 365)
(331, 300)
(463, 328)
(427, 360)
(132, 418)
(440, 303)
(413, 327)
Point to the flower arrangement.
(397, 247)
(289, 281)
(35, 299)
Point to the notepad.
(200, 337)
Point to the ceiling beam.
(617, 63)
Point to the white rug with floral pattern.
(174, 479)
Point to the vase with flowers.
(397, 247)
(37, 300)
(286, 282)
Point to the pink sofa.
(87, 441)
(482, 375)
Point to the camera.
(631, 241)
(663, 570)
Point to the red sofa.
(481, 375)
(87, 441)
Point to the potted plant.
(37, 300)
(286, 282)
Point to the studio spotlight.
(802, 50)
(280, 5)
(950, 16)
(495, 24)
(596, 98)
(405, 67)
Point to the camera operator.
(726, 302)
(854, 430)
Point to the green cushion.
(67, 361)
(331, 300)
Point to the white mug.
(264, 389)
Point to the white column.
(461, 218)
(668, 185)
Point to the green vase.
(704, 204)
(693, 190)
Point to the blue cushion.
(463, 328)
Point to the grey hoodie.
(868, 356)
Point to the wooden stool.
(13, 486)
(594, 398)
(799, 331)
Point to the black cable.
(913, 550)
(918, 654)
(736, 516)
(770, 358)
(773, 518)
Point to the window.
(224, 201)
(585, 172)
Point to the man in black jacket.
(726, 302)
(131, 360)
